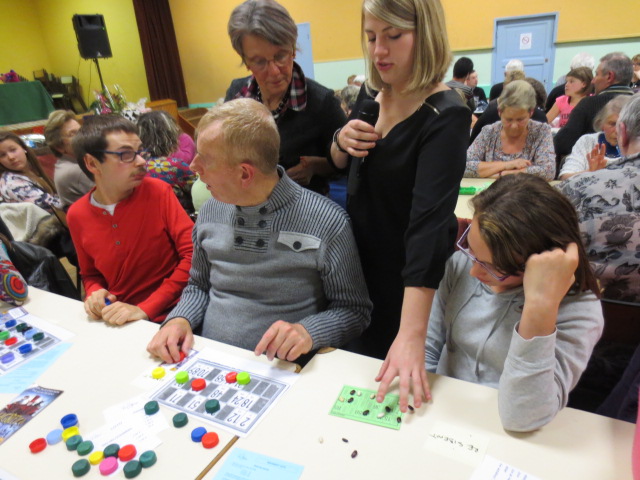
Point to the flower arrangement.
(116, 102)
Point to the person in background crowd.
(516, 144)
(478, 93)
(635, 81)
(579, 60)
(404, 181)
(518, 307)
(595, 151)
(461, 71)
(611, 79)
(171, 154)
(264, 35)
(513, 65)
(71, 183)
(577, 86)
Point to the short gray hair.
(517, 94)
(583, 59)
(612, 107)
(264, 18)
(630, 116)
(620, 65)
(249, 132)
(513, 65)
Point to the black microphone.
(369, 112)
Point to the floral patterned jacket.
(15, 187)
(608, 205)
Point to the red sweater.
(141, 254)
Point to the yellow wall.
(22, 46)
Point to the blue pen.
(107, 301)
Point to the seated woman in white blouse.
(515, 144)
(595, 151)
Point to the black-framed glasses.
(128, 156)
(463, 246)
(280, 59)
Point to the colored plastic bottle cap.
(80, 468)
(4, 335)
(111, 450)
(151, 408)
(11, 341)
(243, 378)
(231, 377)
(37, 445)
(21, 327)
(132, 469)
(85, 448)
(180, 420)
(182, 356)
(212, 406)
(96, 457)
(7, 357)
(73, 442)
(10, 323)
(127, 453)
(182, 377)
(108, 465)
(67, 433)
(38, 336)
(69, 420)
(25, 348)
(148, 458)
(210, 440)
(198, 384)
(158, 373)
(54, 436)
(29, 334)
(198, 433)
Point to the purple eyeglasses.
(463, 245)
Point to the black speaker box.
(91, 32)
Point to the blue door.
(304, 55)
(530, 39)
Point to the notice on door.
(525, 41)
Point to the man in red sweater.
(132, 237)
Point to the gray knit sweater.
(473, 336)
(291, 258)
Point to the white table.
(463, 208)
(96, 373)
(575, 445)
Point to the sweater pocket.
(299, 242)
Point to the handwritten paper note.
(245, 465)
(456, 443)
(493, 469)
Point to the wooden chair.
(189, 119)
(72, 89)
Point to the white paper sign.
(493, 469)
(525, 41)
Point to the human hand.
(174, 336)
(285, 340)
(517, 164)
(357, 137)
(513, 171)
(405, 360)
(95, 302)
(596, 158)
(549, 275)
(119, 313)
(303, 172)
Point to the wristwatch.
(335, 140)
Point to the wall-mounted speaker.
(91, 32)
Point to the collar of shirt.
(297, 95)
(617, 88)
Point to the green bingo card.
(360, 404)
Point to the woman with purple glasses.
(518, 307)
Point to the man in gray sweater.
(275, 267)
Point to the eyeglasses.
(463, 245)
(128, 156)
(280, 59)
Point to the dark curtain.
(160, 51)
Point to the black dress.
(403, 211)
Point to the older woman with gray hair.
(595, 151)
(307, 114)
(515, 144)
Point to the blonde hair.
(518, 94)
(53, 129)
(431, 54)
(249, 133)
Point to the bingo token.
(73, 442)
(126, 453)
(198, 433)
(231, 377)
(4, 335)
(111, 450)
(11, 341)
(180, 420)
(198, 384)
(69, 420)
(85, 448)
(151, 408)
(80, 468)
(7, 358)
(210, 440)
(10, 323)
(37, 445)
(108, 466)
(38, 336)
(54, 436)
(182, 356)
(132, 469)
(96, 457)
(182, 377)
(158, 373)
(243, 378)
(148, 458)
(67, 433)
(26, 348)
(212, 406)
